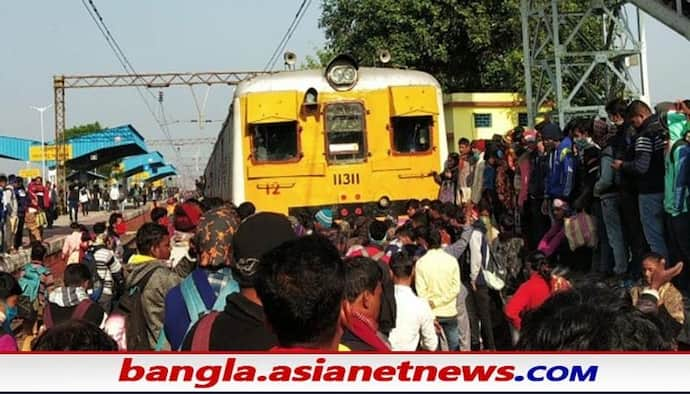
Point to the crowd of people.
(31, 207)
(543, 239)
(34, 207)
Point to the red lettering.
(187, 372)
(302, 373)
(334, 373)
(404, 369)
(479, 372)
(157, 373)
(245, 373)
(450, 373)
(385, 373)
(229, 368)
(505, 373)
(207, 376)
(128, 368)
(280, 373)
(366, 373)
(431, 372)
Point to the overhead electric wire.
(127, 66)
(288, 34)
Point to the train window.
(411, 134)
(275, 141)
(345, 140)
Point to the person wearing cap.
(241, 326)
(324, 225)
(561, 162)
(554, 239)
(185, 220)
(210, 283)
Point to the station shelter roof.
(14, 148)
(160, 173)
(93, 150)
(83, 176)
(142, 163)
(88, 151)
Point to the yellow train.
(361, 141)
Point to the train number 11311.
(346, 179)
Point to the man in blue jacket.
(561, 162)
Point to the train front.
(360, 141)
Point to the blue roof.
(160, 173)
(141, 163)
(14, 148)
(107, 145)
(92, 150)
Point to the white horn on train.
(384, 56)
(290, 59)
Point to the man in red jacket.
(531, 294)
(41, 193)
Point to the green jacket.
(675, 192)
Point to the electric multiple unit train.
(361, 141)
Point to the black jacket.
(240, 327)
(647, 166)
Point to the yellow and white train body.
(361, 141)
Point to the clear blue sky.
(40, 38)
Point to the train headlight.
(384, 202)
(343, 75)
(341, 72)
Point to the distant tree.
(108, 169)
(468, 45)
(81, 130)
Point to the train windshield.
(345, 142)
(275, 141)
(411, 134)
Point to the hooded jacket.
(153, 295)
(647, 167)
(559, 181)
(676, 163)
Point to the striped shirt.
(647, 168)
(107, 264)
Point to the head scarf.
(213, 238)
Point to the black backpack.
(131, 308)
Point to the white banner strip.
(409, 372)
